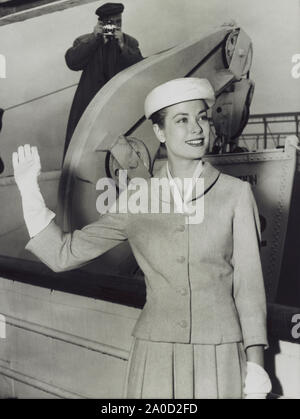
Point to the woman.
(202, 331)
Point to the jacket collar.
(209, 174)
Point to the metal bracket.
(130, 154)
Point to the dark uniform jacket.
(99, 62)
(204, 281)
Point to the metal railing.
(265, 130)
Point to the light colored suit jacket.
(204, 281)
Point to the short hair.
(159, 117)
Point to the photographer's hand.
(98, 29)
(120, 37)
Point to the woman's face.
(186, 130)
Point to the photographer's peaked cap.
(179, 90)
(109, 9)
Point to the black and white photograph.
(150, 201)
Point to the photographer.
(100, 55)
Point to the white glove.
(257, 382)
(27, 167)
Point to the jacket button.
(183, 324)
(180, 228)
(183, 291)
(181, 259)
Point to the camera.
(109, 29)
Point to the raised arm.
(60, 251)
(65, 251)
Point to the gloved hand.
(257, 382)
(27, 167)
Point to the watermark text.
(296, 68)
(153, 196)
(296, 328)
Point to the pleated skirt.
(159, 370)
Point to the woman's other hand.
(257, 382)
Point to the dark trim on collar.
(209, 173)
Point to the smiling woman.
(180, 121)
(202, 330)
(186, 131)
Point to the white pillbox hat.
(179, 90)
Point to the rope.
(39, 97)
